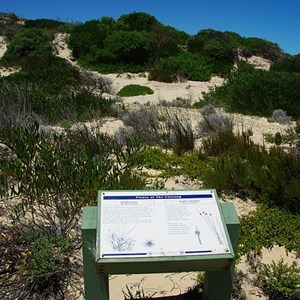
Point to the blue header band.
(159, 197)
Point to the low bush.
(24, 100)
(213, 122)
(269, 137)
(269, 226)
(145, 124)
(55, 175)
(134, 90)
(180, 135)
(46, 276)
(77, 166)
(265, 90)
(183, 66)
(50, 90)
(240, 167)
(281, 117)
(280, 281)
(161, 128)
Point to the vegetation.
(48, 88)
(265, 90)
(243, 168)
(138, 42)
(280, 281)
(290, 64)
(134, 90)
(269, 226)
(54, 174)
(161, 128)
(183, 66)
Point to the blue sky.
(274, 20)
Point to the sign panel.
(160, 223)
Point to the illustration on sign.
(160, 223)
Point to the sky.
(277, 21)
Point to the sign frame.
(163, 264)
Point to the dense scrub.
(290, 64)
(258, 92)
(47, 88)
(54, 175)
(138, 42)
(242, 168)
(183, 66)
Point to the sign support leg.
(218, 284)
(96, 286)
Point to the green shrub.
(87, 106)
(45, 24)
(269, 137)
(265, 90)
(183, 66)
(78, 163)
(88, 37)
(219, 47)
(290, 64)
(280, 281)
(240, 167)
(263, 48)
(138, 21)
(46, 262)
(134, 90)
(51, 90)
(269, 226)
(127, 47)
(27, 43)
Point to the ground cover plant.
(134, 90)
(268, 226)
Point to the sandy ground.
(178, 283)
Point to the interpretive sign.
(160, 223)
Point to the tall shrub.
(266, 91)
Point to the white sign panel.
(160, 223)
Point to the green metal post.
(218, 284)
(95, 285)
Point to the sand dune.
(178, 283)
